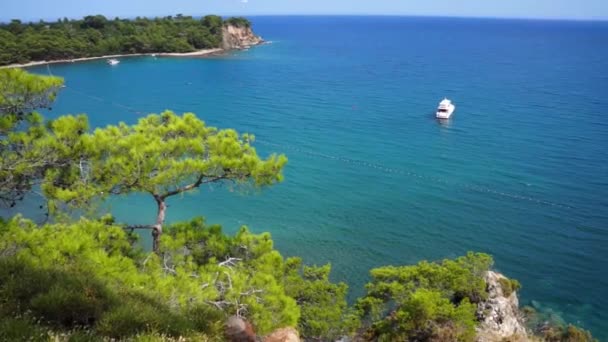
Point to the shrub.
(86, 274)
(509, 286)
(238, 22)
(76, 300)
(571, 333)
(551, 328)
(325, 314)
(57, 297)
(427, 301)
(139, 314)
(575, 334)
(21, 329)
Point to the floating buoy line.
(99, 99)
(363, 163)
(412, 174)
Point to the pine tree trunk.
(160, 220)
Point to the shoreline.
(198, 53)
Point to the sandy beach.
(197, 53)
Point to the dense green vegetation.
(88, 279)
(509, 286)
(551, 328)
(98, 36)
(162, 155)
(238, 22)
(428, 301)
(87, 275)
(23, 157)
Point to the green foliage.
(22, 158)
(162, 154)
(21, 329)
(97, 36)
(86, 275)
(509, 286)
(238, 22)
(325, 314)
(21, 93)
(151, 316)
(570, 333)
(575, 334)
(425, 301)
(84, 281)
(551, 328)
(246, 269)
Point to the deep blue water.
(520, 171)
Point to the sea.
(520, 171)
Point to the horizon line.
(531, 18)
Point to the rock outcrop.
(283, 335)
(499, 315)
(239, 37)
(239, 330)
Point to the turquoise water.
(520, 171)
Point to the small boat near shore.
(445, 109)
(113, 61)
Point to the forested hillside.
(98, 36)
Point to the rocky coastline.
(233, 38)
(500, 319)
(239, 37)
(499, 316)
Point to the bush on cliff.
(509, 286)
(551, 328)
(238, 22)
(427, 301)
(325, 314)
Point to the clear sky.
(547, 9)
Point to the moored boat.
(445, 109)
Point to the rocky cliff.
(239, 330)
(499, 315)
(239, 37)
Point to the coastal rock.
(239, 330)
(239, 37)
(283, 335)
(499, 315)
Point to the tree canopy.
(162, 155)
(87, 274)
(238, 22)
(426, 302)
(324, 312)
(96, 35)
(23, 159)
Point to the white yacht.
(113, 61)
(445, 109)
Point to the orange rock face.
(283, 335)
